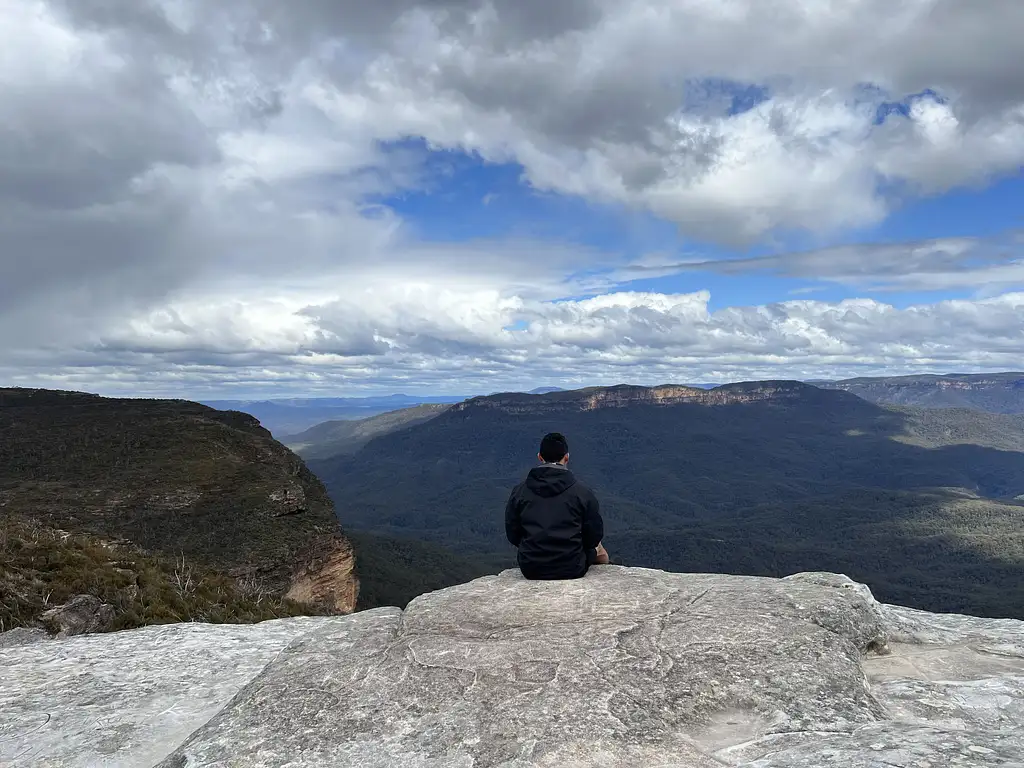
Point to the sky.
(252, 198)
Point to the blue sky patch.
(470, 200)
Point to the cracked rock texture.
(626, 667)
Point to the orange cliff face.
(327, 576)
(319, 570)
(672, 395)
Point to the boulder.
(626, 667)
(80, 614)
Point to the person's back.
(553, 519)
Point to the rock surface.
(627, 667)
(22, 636)
(80, 614)
(127, 698)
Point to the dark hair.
(553, 447)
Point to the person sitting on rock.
(553, 519)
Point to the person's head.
(554, 449)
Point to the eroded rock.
(326, 576)
(627, 667)
(288, 500)
(80, 614)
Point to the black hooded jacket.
(555, 522)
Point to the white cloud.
(982, 264)
(184, 185)
(451, 339)
(597, 111)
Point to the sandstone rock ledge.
(627, 667)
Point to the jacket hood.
(547, 481)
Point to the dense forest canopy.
(993, 392)
(919, 504)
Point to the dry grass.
(42, 567)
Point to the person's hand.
(602, 555)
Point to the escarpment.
(624, 396)
(991, 392)
(166, 510)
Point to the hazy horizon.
(278, 397)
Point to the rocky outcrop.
(80, 614)
(289, 499)
(627, 667)
(326, 576)
(624, 396)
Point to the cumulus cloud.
(469, 341)
(601, 109)
(186, 186)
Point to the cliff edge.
(166, 510)
(626, 667)
(627, 395)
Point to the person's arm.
(513, 531)
(593, 525)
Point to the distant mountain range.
(996, 393)
(287, 418)
(291, 416)
(993, 392)
(333, 438)
(346, 436)
(764, 478)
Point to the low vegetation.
(157, 480)
(42, 567)
(393, 570)
(992, 392)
